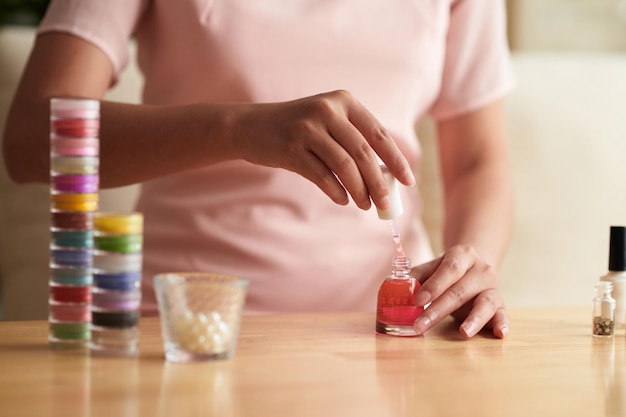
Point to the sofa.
(566, 125)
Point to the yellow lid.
(75, 202)
(119, 222)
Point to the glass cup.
(200, 314)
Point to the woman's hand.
(478, 210)
(460, 283)
(330, 139)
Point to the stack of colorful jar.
(74, 164)
(117, 283)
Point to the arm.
(478, 216)
(64, 65)
(330, 138)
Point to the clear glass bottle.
(603, 310)
(396, 311)
(617, 272)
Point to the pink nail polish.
(396, 310)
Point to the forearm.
(144, 142)
(479, 212)
(137, 142)
(330, 138)
(477, 182)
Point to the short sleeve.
(108, 24)
(477, 68)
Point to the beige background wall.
(567, 25)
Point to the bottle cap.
(395, 209)
(617, 249)
(604, 286)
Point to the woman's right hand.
(330, 139)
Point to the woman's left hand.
(463, 284)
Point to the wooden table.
(329, 365)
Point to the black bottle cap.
(617, 249)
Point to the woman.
(253, 111)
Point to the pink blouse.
(300, 251)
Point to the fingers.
(487, 310)
(452, 266)
(353, 161)
(500, 323)
(331, 139)
(457, 280)
(381, 142)
(319, 174)
(360, 138)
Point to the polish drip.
(396, 238)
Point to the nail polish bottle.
(617, 272)
(603, 310)
(396, 311)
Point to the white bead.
(199, 333)
(223, 329)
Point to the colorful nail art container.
(120, 281)
(71, 275)
(69, 333)
(74, 186)
(111, 300)
(71, 220)
(74, 202)
(74, 108)
(70, 312)
(63, 146)
(114, 319)
(72, 238)
(119, 223)
(64, 256)
(110, 339)
(75, 183)
(79, 128)
(111, 262)
(75, 165)
(115, 308)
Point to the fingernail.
(421, 324)
(469, 328)
(409, 177)
(385, 203)
(504, 331)
(422, 298)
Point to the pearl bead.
(200, 332)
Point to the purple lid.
(116, 300)
(76, 183)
